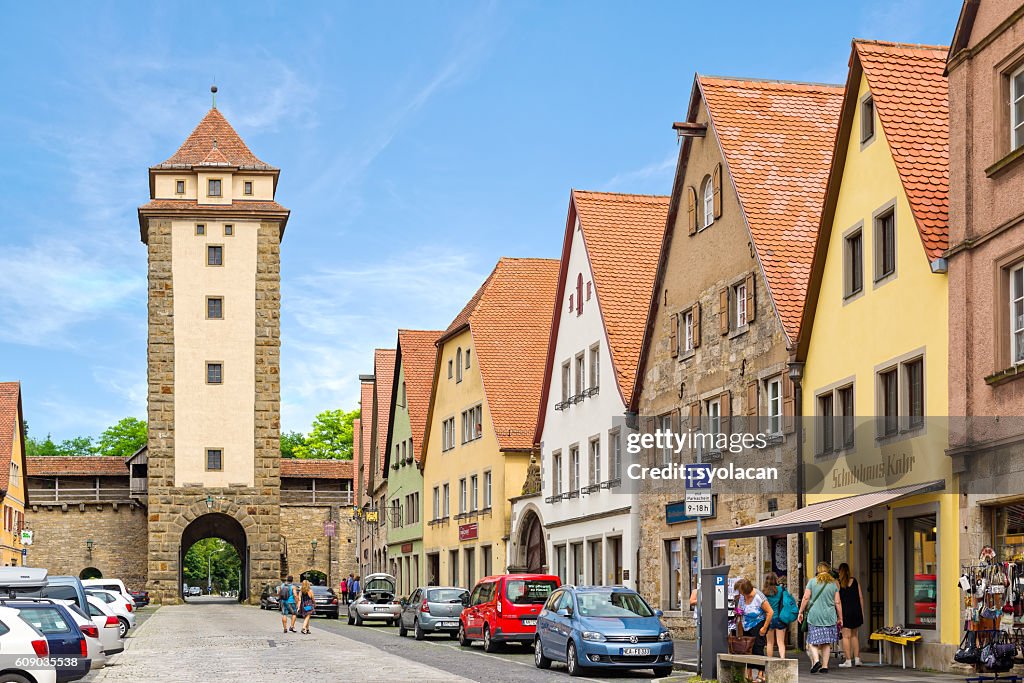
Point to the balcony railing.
(307, 497)
(79, 495)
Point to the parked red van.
(504, 608)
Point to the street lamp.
(88, 545)
(313, 545)
(209, 502)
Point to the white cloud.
(659, 170)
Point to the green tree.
(331, 436)
(79, 445)
(36, 447)
(124, 438)
(290, 441)
(216, 556)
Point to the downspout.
(796, 373)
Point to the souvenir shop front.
(902, 547)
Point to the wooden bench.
(775, 670)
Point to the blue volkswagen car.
(601, 626)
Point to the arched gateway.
(530, 554)
(213, 234)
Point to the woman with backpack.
(852, 599)
(822, 611)
(784, 607)
(307, 604)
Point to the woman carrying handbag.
(822, 612)
(307, 604)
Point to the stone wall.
(118, 532)
(301, 524)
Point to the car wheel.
(539, 659)
(662, 672)
(359, 619)
(572, 662)
(489, 644)
(420, 634)
(463, 640)
(122, 626)
(350, 619)
(402, 630)
(14, 678)
(453, 635)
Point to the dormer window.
(213, 187)
(247, 188)
(179, 187)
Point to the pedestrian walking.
(354, 588)
(287, 597)
(307, 604)
(852, 600)
(784, 608)
(822, 610)
(757, 614)
(343, 590)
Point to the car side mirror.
(465, 601)
(658, 613)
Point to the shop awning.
(815, 517)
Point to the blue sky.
(418, 142)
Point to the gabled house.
(724, 318)
(414, 373)
(482, 418)
(581, 523)
(376, 481)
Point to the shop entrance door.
(873, 534)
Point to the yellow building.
(12, 474)
(874, 348)
(478, 441)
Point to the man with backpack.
(287, 598)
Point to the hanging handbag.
(967, 653)
(741, 645)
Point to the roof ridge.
(891, 43)
(767, 81)
(621, 194)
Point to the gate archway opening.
(314, 576)
(531, 553)
(90, 573)
(214, 556)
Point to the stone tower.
(213, 232)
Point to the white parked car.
(108, 624)
(18, 637)
(91, 631)
(123, 609)
(116, 585)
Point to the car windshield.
(321, 590)
(47, 620)
(54, 592)
(105, 597)
(612, 604)
(446, 595)
(528, 591)
(380, 585)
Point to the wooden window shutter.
(676, 417)
(752, 399)
(695, 415)
(716, 181)
(751, 302)
(691, 210)
(723, 310)
(788, 406)
(725, 401)
(696, 325)
(673, 334)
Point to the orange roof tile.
(215, 158)
(10, 416)
(236, 206)
(910, 94)
(777, 138)
(214, 131)
(418, 356)
(316, 469)
(366, 408)
(614, 225)
(77, 465)
(509, 318)
(384, 372)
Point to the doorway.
(433, 569)
(873, 534)
(214, 557)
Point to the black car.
(268, 598)
(326, 602)
(141, 598)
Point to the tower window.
(213, 187)
(214, 459)
(229, 230)
(247, 187)
(200, 229)
(215, 373)
(214, 308)
(215, 255)
(179, 187)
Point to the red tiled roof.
(614, 225)
(777, 138)
(10, 399)
(214, 131)
(236, 206)
(215, 158)
(384, 372)
(316, 469)
(366, 409)
(77, 465)
(910, 94)
(509, 318)
(418, 355)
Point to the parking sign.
(698, 476)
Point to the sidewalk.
(686, 660)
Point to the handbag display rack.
(995, 591)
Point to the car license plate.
(636, 651)
(381, 609)
(529, 622)
(449, 624)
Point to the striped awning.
(814, 517)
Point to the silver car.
(377, 602)
(433, 609)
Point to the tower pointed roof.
(214, 133)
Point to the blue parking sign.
(698, 476)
